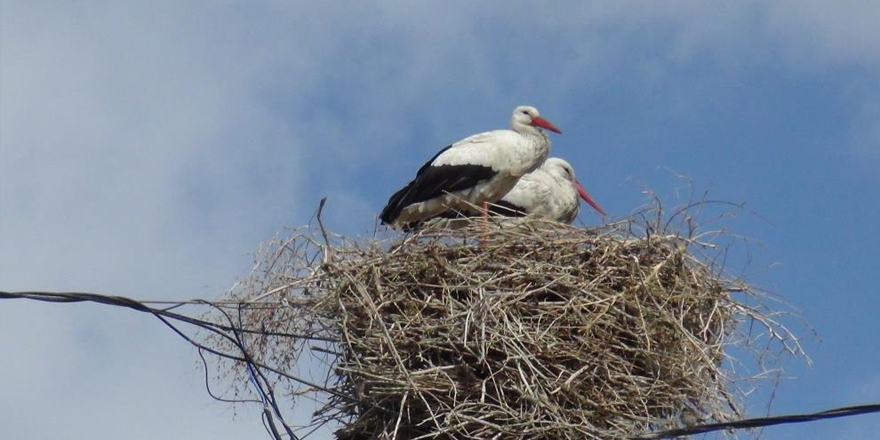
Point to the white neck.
(537, 147)
(530, 132)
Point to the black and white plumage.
(551, 192)
(479, 169)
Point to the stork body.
(472, 172)
(551, 192)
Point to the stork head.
(560, 168)
(526, 115)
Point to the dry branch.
(530, 330)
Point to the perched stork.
(472, 172)
(551, 192)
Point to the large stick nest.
(527, 330)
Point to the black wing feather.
(434, 181)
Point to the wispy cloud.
(836, 34)
(145, 147)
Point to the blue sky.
(147, 147)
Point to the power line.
(763, 421)
(233, 334)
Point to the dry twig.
(542, 331)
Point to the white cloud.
(114, 126)
(138, 157)
(841, 33)
(146, 146)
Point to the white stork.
(472, 172)
(551, 192)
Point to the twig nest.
(527, 330)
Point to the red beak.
(545, 124)
(586, 196)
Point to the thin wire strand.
(264, 387)
(759, 422)
(267, 394)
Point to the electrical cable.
(759, 422)
(267, 395)
(264, 389)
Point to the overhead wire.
(265, 391)
(760, 422)
(264, 387)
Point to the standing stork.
(475, 171)
(551, 192)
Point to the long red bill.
(543, 123)
(586, 196)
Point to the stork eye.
(525, 112)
